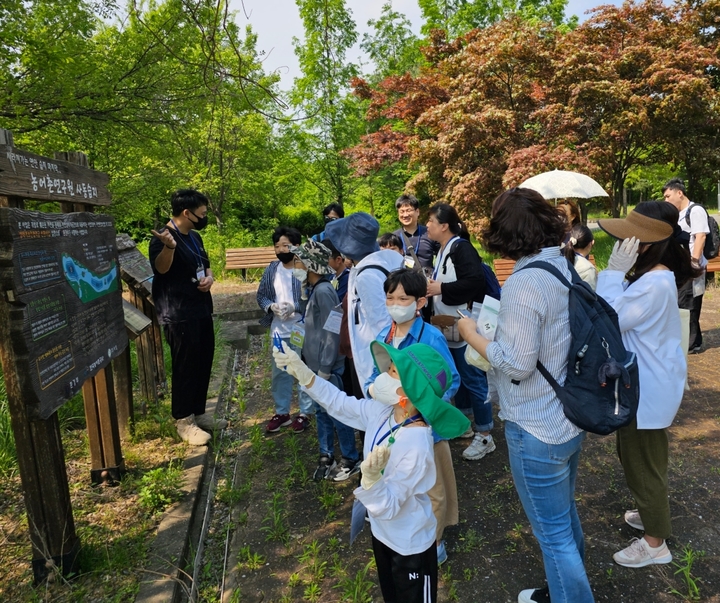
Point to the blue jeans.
(544, 476)
(471, 397)
(282, 389)
(327, 425)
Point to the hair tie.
(573, 241)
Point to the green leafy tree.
(332, 116)
(460, 16)
(392, 46)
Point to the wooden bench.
(249, 257)
(504, 268)
(713, 268)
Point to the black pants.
(406, 578)
(694, 304)
(192, 346)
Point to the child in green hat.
(399, 466)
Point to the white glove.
(276, 309)
(373, 465)
(624, 255)
(287, 309)
(289, 361)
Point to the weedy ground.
(277, 536)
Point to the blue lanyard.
(417, 245)
(441, 258)
(392, 430)
(197, 249)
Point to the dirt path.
(288, 535)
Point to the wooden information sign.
(136, 271)
(24, 174)
(135, 268)
(60, 272)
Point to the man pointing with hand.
(181, 292)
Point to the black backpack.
(602, 388)
(712, 240)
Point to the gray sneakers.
(208, 422)
(189, 432)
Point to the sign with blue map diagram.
(60, 275)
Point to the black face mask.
(201, 223)
(286, 257)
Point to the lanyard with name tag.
(297, 335)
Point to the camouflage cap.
(315, 256)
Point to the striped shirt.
(533, 324)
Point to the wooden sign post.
(136, 271)
(61, 323)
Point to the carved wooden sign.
(60, 275)
(24, 174)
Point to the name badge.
(409, 262)
(200, 273)
(297, 335)
(333, 322)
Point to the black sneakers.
(344, 469)
(325, 465)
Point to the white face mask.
(300, 274)
(385, 389)
(401, 314)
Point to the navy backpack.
(602, 387)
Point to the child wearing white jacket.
(399, 467)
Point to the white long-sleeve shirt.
(398, 505)
(367, 311)
(650, 324)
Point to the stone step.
(237, 332)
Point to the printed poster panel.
(60, 274)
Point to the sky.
(277, 21)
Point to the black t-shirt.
(175, 293)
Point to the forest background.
(171, 93)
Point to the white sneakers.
(479, 447)
(633, 519)
(194, 429)
(640, 554)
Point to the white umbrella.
(559, 184)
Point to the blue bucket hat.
(355, 236)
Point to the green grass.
(8, 454)
(602, 248)
(598, 212)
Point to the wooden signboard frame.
(41, 459)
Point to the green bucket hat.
(315, 256)
(425, 377)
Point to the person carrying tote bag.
(458, 281)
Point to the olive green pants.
(643, 454)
